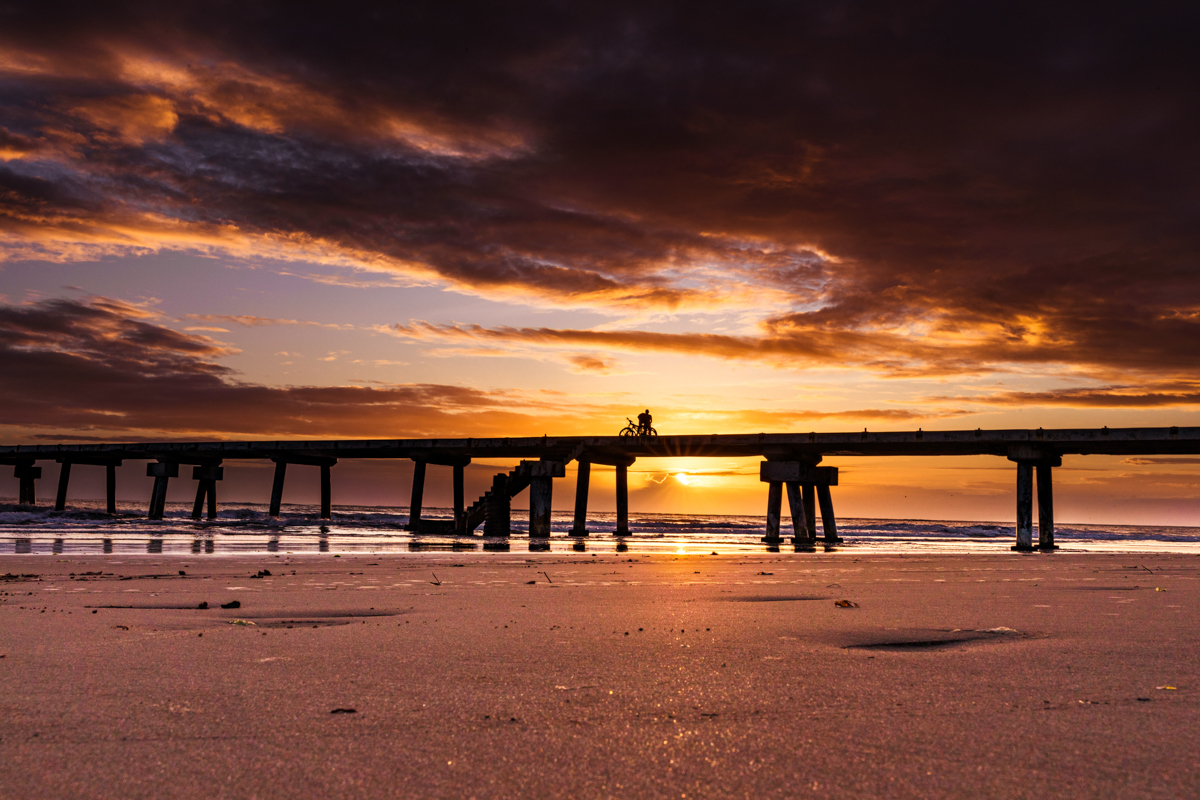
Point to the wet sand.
(646, 676)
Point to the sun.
(683, 478)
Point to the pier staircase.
(492, 510)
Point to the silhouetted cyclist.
(644, 421)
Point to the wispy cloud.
(790, 343)
(250, 321)
(1162, 395)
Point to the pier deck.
(1065, 441)
(791, 461)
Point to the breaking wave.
(246, 527)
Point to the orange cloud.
(14, 146)
(584, 363)
(134, 119)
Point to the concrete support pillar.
(277, 488)
(64, 477)
(206, 477)
(540, 491)
(622, 500)
(1024, 506)
(27, 473)
(827, 519)
(807, 485)
(110, 487)
(810, 509)
(460, 507)
(496, 519)
(326, 494)
(1029, 457)
(801, 533)
(158, 499)
(1045, 502)
(579, 527)
(201, 494)
(774, 506)
(161, 471)
(417, 498)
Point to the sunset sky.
(243, 220)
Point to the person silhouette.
(644, 420)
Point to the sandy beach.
(510, 674)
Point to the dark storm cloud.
(915, 188)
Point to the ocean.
(244, 528)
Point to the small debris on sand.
(846, 604)
(344, 711)
(232, 604)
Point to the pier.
(791, 466)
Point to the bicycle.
(634, 429)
